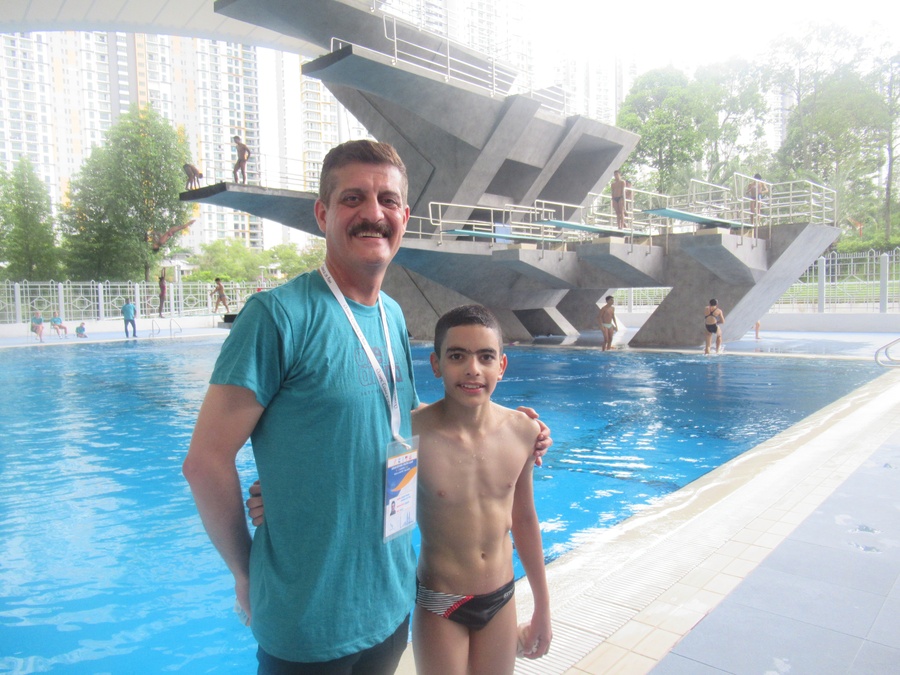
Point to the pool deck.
(786, 559)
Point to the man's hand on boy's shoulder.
(543, 441)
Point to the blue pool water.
(105, 567)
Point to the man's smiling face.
(366, 217)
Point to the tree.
(886, 75)
(229, 259)
(28, 241)
(292, 262)
(732, 94)
(668, 116)
(836, 137)
(124, 209)
(800, 67)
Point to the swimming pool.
(106, 568)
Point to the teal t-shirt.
(323, 583)
(128, 311)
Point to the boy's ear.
(503, 363)
(435, 365)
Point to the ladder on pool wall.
(174, 328)
(883, 355)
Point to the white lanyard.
(389, 396)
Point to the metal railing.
(853, 283)
(884, 358)
(455, 62)
(92, 300)
(839, 282)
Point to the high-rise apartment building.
(61, 92)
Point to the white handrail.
(883, 355)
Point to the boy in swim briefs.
(475, 487)
(608, 323)
(221, 298)
(713, 318)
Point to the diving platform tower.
(505, 192)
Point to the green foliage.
(232, 260)
(663, 110)
(732, 95)
(292, 262)
(27, 239)
(841, 98)
(123, 208)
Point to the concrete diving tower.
(463, 144)
(475, 147)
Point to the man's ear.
(435, 365)
(503, 362)
(320, 210)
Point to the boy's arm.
(527, 537)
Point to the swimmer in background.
(243, 154)
(219, 292)
(617, 190)
(608, 323)
(712, 321)
(756, 191)
(80, 331)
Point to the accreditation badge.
(401, 482)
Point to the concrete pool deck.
(786, 559)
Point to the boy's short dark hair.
(359, 152)
(466, 315)
(609, 297)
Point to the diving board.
(502, 235)
(694, 218)
(596, 229)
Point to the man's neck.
(357, 286)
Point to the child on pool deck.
(474, 488)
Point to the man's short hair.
(609, 297)
(359, 152)
(466, 315)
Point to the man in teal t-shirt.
(128, 312)
(327, 593)
(318, 375)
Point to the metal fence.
(838, 282)
(93, 300)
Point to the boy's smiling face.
(471, 363)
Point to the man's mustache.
(366, 227)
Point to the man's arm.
(543, 441)
(526, 533)
(227, 417)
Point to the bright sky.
(695, 32)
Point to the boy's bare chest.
(451, 472)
